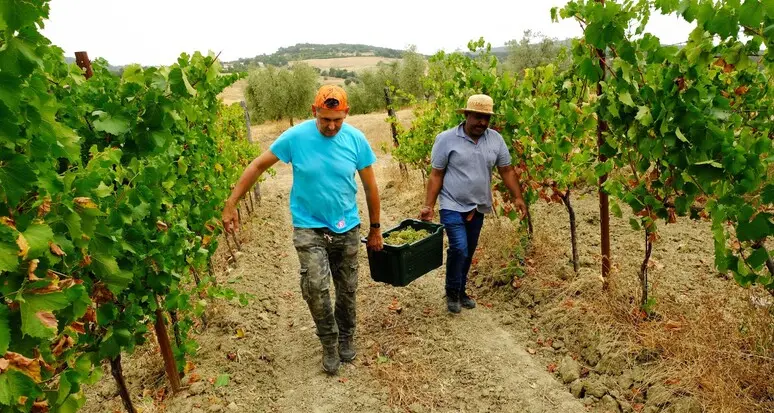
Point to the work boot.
(330, 359)
(466, 301)
(453, 302)
(347, 350)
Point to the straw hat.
(479, 104)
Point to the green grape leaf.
(222, 380)
(36, 313)
(5, 329)
(758, 257)
(16, 176)
(114, 126)
(38, 237)
(626, 99)
(15, 384)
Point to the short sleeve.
(439, 157)
(281, 148)
(365, 155)
(503, 154)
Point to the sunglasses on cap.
(331, 103)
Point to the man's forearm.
(434, 184)
(511, 180)
(246, 181)
(374, 205)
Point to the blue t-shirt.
(324, 193)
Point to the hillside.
(307, 51)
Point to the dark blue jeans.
(463, 239)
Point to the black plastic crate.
(400, 265)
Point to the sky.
(155, 32)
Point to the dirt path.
(413, 355)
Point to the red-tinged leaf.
(549, 342)
(343, 380)
(78, 327)
(28, 366)
(534, 329)
(8, 222)
(86, 261)
(90, 316)
(45, 207)
(638, 407)
(85, 202)
(231, 356)
(40, 407)
(552, 367)
(56, 249)
(672, 382)
(47, 318)
(70, 282)
(161, 394)
(672, 216)
(206, 240)
(517, 283)
(652, 237)
(741, 90)
(31, 270)
(65, 342)
(100, 294)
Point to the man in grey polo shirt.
(462, 159)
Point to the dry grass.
(350, 63)
(711, 345)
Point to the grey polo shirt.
(467, 183)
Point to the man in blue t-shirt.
(325, 154)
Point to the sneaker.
(330, 359)
(466, 301)
(453, 302)
(347, 350)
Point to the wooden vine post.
(393, 118)
(82, 60)
(166, 349)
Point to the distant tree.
(367, 95)
(412, 73)
(533, 50)
(275, 94)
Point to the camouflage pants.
(323, 255)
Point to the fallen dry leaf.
(531, 350)
(673, 325)
(240, 333)
(552, 367)
(193, 378)
(343, 380)
(231, 356)
(189, 366)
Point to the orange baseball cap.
(331, 97)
